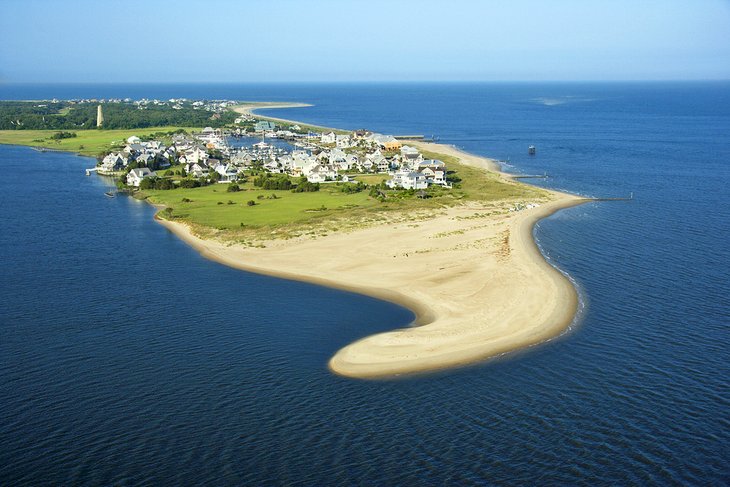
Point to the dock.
(90, 170)
(530, 176)
(47, 149)
(630, 197)
(433, 138)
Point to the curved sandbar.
(482, 307)
(472, 274)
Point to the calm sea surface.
(127, 359)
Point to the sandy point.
(472, 274)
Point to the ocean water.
(126, 358)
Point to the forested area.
(22, 115)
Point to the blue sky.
(327, 40)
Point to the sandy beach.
(473, 276)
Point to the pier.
(48, 149)
(90, 170)
(630, 198)
(530, 176)
(433, 138)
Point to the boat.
(110, 194)
(531, 150)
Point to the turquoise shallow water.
(129, 359)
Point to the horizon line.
(382, 81)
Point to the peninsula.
(440, 231)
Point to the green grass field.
(87, 142)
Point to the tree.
(147, 183)
(233, 188)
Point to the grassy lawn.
(287, 208)
(87, 142)
(369, 178)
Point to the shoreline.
(479, 305)
(410, 350)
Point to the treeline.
(16, 115)
(283, 182)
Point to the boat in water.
(110, 194)
(531, 150)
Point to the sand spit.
(473, 275)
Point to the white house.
(328, 138)
(136, 176)
(351, 160)
(343, 140)
(407, 180)
(318, 173)
(113, 162)
(410, 154)
(227, 172)
(196, 155)
(197, 170)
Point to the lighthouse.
(99, 116)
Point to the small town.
(214, 156)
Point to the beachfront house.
(387, 142)
(410, 155)
(407, 180)
(113, 162)
(135, 176)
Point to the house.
(113, 162)
(133, 140)
(196, 155)
(198, 169)
(351, 160)
(407, 180)
(145, 159)
(387, 142)
(432, 163)
(227, 172)
(410, 154)
(337, 156)
(136, 176)
(435, 176)
(264, 126)
(133, 148)
(383, 164)
(328, 138)
(343, 141)
(318, 173)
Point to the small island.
(440, 231)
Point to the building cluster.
(320, 158)
(146, 154)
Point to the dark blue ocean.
(128, 359)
